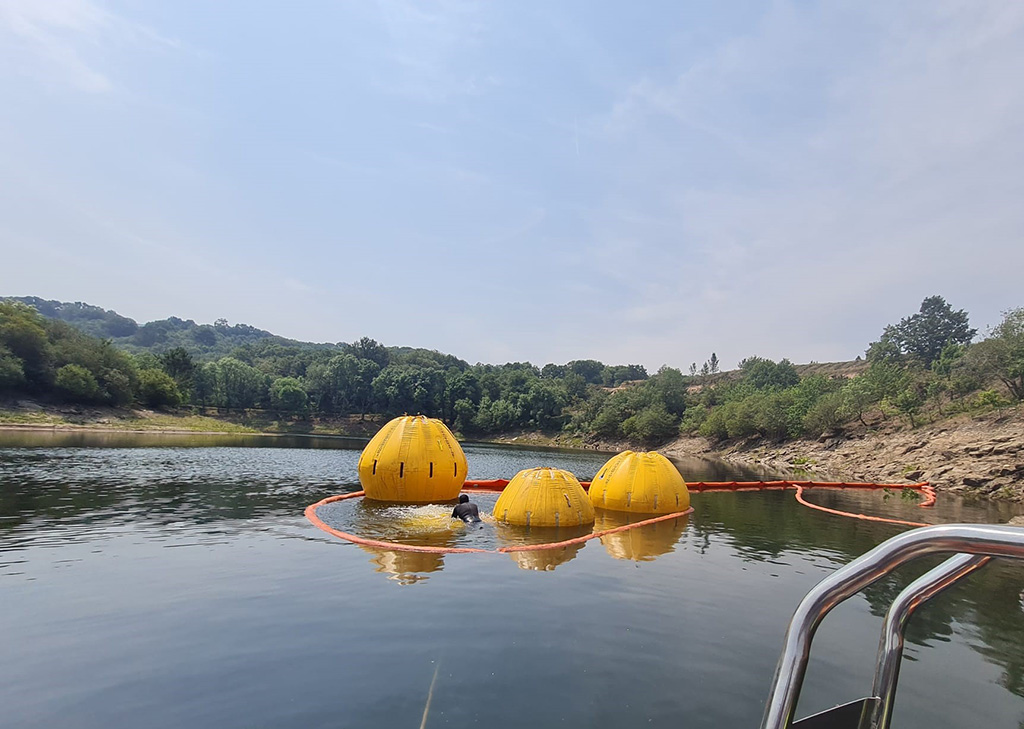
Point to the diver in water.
(466, 511)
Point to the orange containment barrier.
(497, 485)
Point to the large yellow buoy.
(639, 483)
(412, 459)
(544, 497)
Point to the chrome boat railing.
(974, 545)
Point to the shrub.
(989, 400)
(77, 383)
(157, 389)
(827, 413)
(651, 425)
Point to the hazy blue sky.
(633, 182)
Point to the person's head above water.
(463, 498)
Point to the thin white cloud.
(897, 181)
(61, 39)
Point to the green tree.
(287, 394)
(237, 385)
(157, 389)
(12, 371)
(924, 334)
(180, 365)
(372, 350)
(77, 383)
(1001, 355)
(23, 334)
(589, 369)
(764, 374)
(651, 426)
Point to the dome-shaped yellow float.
(413, 459)
(544, 497)
(639, 483)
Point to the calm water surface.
(161, 586)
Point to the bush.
(827, 413)
(989, 400)
(714, 425)
(77, 383)
(651, 426)
(157, 389)
(693, 419)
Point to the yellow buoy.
(639, 483)
(412, 459)
(544, 497)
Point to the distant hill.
(204, 341)
(212, 341)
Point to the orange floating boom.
(498, 484)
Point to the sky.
(630, 182)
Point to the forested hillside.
(926, 366)
(202, 341)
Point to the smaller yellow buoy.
(639, 483)
(413, 459)
(544, 497)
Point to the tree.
(924, 335)
(589, 369)
(1001, 355)
(372, 350)
(287, 393)
(77, 383)
(12, 373)
(764, 374)
(651, 426)
(178, 363)
(713, 364)
(23, 335)
(157, 389)
(237, 385)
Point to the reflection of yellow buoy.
(544, 497)
(545, 559)
(640, 483)
(412, 459)
(639, 544)
(405, 567)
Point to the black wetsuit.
(467, 512)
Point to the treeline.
(41, 356)
(156, 337)
(48, 357)
(926, 363)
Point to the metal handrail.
(975, 539)
(890, 647)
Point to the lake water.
(165, 585)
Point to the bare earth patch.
(981, 455)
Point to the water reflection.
(40, 438)
(544, 560)
(405, 568)
(639, 544)
(541, 559)
(95, 543)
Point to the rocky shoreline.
(981, 456)
(974, 456)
